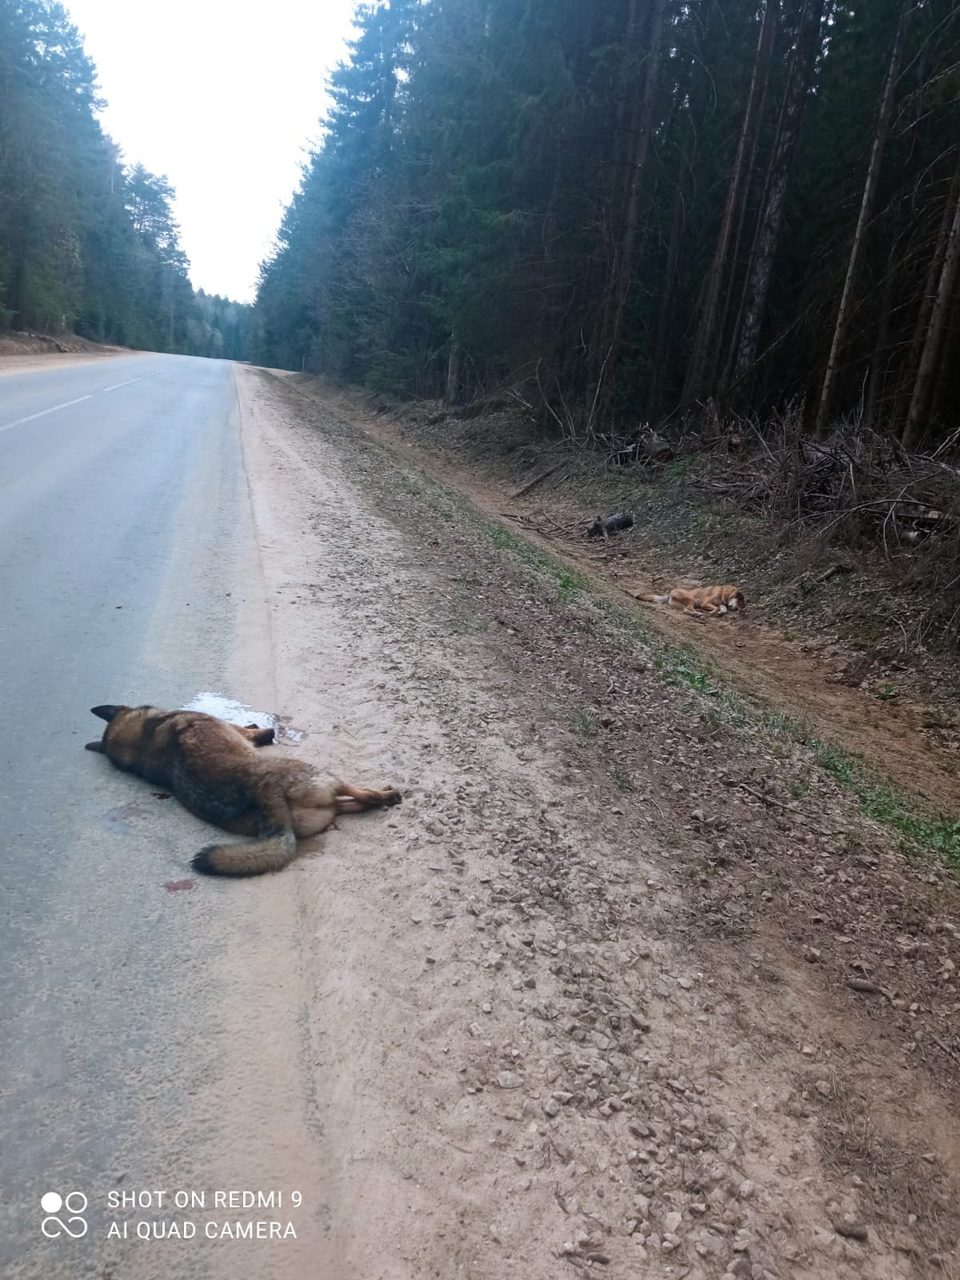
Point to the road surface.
(128, 573)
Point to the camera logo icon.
(63, 1215)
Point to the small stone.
(746, 1189)
(862, 984)
(671, 1222)
(850, 1229)
(508, 1080)
(551, 1107)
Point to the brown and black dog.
(213, 769)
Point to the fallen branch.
(532, 484)
(781, 805)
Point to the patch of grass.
(569, 585)
(585, 722)
(680, 667)
(679, 467)
(568, 582)
(836, 762)
(879, 801)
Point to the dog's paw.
(390, 797)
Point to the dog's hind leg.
(355, 799)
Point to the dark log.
(531, 484)
(656, 448)
(605, 525)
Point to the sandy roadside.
(56, 360)
(530, 1060)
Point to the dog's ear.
(106, 712)
(95, 746)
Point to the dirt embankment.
(22, 351)
(620, 989)
(828, 649)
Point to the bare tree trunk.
(662, 341)
(454, 361)
(926, 374)
(764, 249)
(866, 209)
(607, 343)
(704, 345)
(880, 346)
(927, 300)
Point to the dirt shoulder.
(822, 648)
(605, 995)
(21, 352)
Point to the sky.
(224, 98)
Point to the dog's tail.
(252, 858)
(276, 849)
(649, 597)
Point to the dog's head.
(123, 737)
(735, 599)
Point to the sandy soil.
(53, 359)
(600, 998)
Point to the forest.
(87, 245)
(637, 211)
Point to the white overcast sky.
(224, 98)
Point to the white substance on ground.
(224, 708)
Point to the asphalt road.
(131, 1004)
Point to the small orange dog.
(726, 599)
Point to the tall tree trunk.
(927, 300)
(845, 310)
(878, 363)
(454, 361)
(704, 345)
(764, 249)
(926, 374)
(661, 347)
(607, 343)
